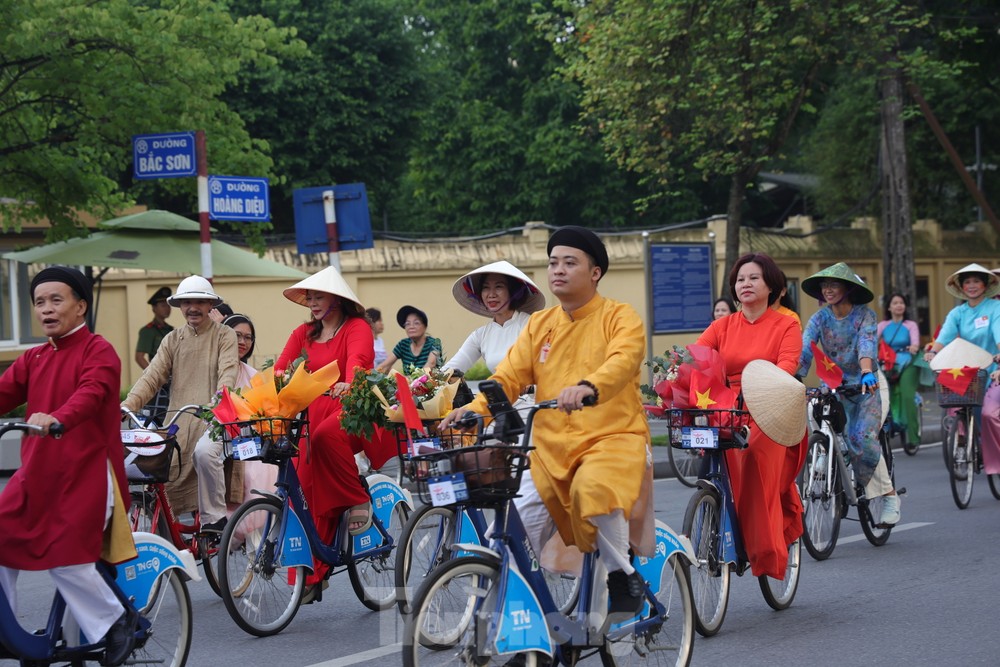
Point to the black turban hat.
(583, 239)
(78, 282)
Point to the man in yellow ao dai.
(591, 466)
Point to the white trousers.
(209, 466)
(880, 483)
(89, 599)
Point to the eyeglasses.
(830, 284)
(245, 338)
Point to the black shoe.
(215, 526)
(120, 638)
(625, 594)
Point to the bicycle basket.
(973, 393)
(690, 428)
(148, 454)
(411, 449)
(480, 475)
(267, 439)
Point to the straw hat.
(841, 271)
(467, 289)
(776, 401)
(195, 288)
(954, 283)
(959, 353)
(329, 281)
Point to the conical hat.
(959, 353)
(840, 271)
(776, 401)
(329, 281)
(466, 289)
(954, 286)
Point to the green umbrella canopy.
(153, 240)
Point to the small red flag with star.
(708, 393)
(826, 368)
(886, 355)
(957, 379)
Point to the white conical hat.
(954, 287)
(959, 353)
(467, 288)
(328, 280)
(776, 401)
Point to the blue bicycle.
(270, 541)
(154, 584)
(710, 519)
(489, 607)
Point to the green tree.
(712, 86)
(78, 79)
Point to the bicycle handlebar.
(56, 430)
(843, 390)
(191, 408)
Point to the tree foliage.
(78, 79)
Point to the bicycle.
(894, 428)
(685, 463)
(150, 510)
(431, 530)
(825, 497)
(153, 584)
(961, 438)
(494, 604)
(271, 540)
(710, 519)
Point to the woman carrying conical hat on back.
(977, 321)
(846, 330)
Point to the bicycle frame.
(730, 548)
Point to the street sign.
(164, 155)
(354, 225)
(239, 198)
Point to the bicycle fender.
(137, 577)
(521, 625)
(669, 542)
(295, 551)
(385, 495)
(467, 534)
(475, 549)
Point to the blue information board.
(354, 225)
(164, 155)
(682, 286)
(239, 198)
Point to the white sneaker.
(890, 510)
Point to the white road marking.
(363, 656)
(895, 529)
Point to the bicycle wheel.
(709, 576)
(168, 639)
(779, 593)
(144, 511)
(373, 577)
(564, 588)
(441, 630)
(686, 464)
(947, 426)
(821, 499)
(260, 593)
(870, 509)
(666, 644)
(424, 544)
(994, 481)
(208, 552)
(962, 468)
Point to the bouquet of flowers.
(372, 399)
(691, 377)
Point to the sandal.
(359, 514)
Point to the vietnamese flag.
(827, 370)
(957, 379)
(886, 355)
(405, 397)
(708, 393)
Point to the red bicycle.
(149, 451)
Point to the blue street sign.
(164, 155)
(240, 198)
(354, 224)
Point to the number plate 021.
(699, 437)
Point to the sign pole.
(206, 234)
(330, 214)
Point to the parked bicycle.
(430, 532)
(710, 519)
(154, 584)
(493, 605)
(270, 541)
(961, 438)
(825, 496)
(149, 452)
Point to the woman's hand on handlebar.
(869, 383)
(575, 397)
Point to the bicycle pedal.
(901, 491)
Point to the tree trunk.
(897, 220)
(734, 218)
